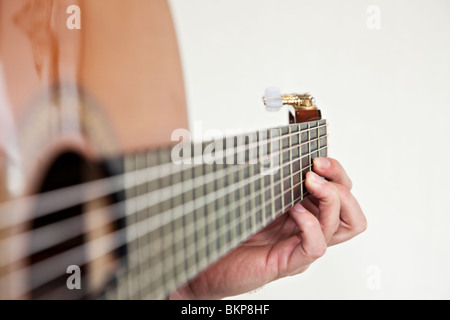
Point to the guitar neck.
(183, 215)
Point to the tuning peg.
(272, 99)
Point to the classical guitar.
(96, 200)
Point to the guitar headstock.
(304, 105)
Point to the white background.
(386, 95)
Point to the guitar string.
(148, 285)
(241, 220)
(70, 196)
(50, 268)
(49, 235)
(183, 279)
(61, 226)
(67, 197)
(297, 146)
(45, 269)
(288, 164)
(225, 248)
(200, 265)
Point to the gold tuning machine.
(305, 108)
(299, 101)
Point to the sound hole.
(69, 169)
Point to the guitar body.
(92, 204)
(72, 96)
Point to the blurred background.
(380, 72)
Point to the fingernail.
(322, 163)
(316, 178)
(299, 208)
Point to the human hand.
(287, 246)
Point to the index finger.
(332, 170)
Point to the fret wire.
(147, 244)
(241, 190)
(195, 221)
(241, 209)
(253, 202)
(219, 203)
(160, 232)
(141, 216)
(188, 215)
(272, 176)
(231, 196)
(309, 144)
(183, 235)
(300, 154)
(212, 213)
(200, 215)
(149, 160)
(209, 208)
(262, 178)
(123, 285)
(172, 226)
(248, 224)
(178, 232)
(131, 217)
(281, 170)
(291, 170)
(215, 209)
(134, 249)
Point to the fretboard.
(181, 217)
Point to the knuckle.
(334, 191)
(350, 184)
(318, 251)
(362, 226)
(343, 192)
(310, 223)
(358, 227)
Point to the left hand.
(289, 244)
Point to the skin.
(290, 244)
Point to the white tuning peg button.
(272, 99)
